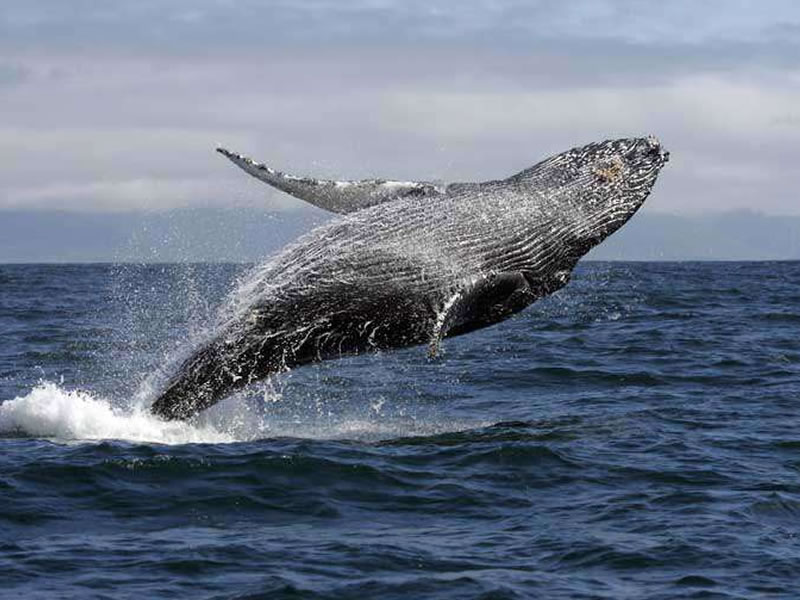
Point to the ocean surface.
(634, 436)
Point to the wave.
(49, 411)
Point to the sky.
(117, 106)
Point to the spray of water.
(52, 412)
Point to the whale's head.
(608, 182)
(595, 189)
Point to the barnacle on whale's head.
(606, 183)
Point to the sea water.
(635, 435)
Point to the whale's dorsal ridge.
(336, 196)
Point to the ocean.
(633, 436)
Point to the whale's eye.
(608, 170)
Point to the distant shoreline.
(254, 263)
(247, 235)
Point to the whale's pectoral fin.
(336, 196)
(444, 318)
(479, 303)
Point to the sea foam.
(52, 412)
(49, 411)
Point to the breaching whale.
(412, 263)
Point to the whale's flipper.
(336, 196)
(490, 299)
(481, 302)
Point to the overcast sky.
(118, 105)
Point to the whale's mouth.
(644, 158)
(654, 150)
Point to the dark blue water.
(634, 436)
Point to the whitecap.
(50, 411)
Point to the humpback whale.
(411, 263)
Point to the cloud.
(11, 74)
(118, 105)
(132, 132)
(193, 23)
(718, 105)
(124, 195)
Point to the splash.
(49, 411)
